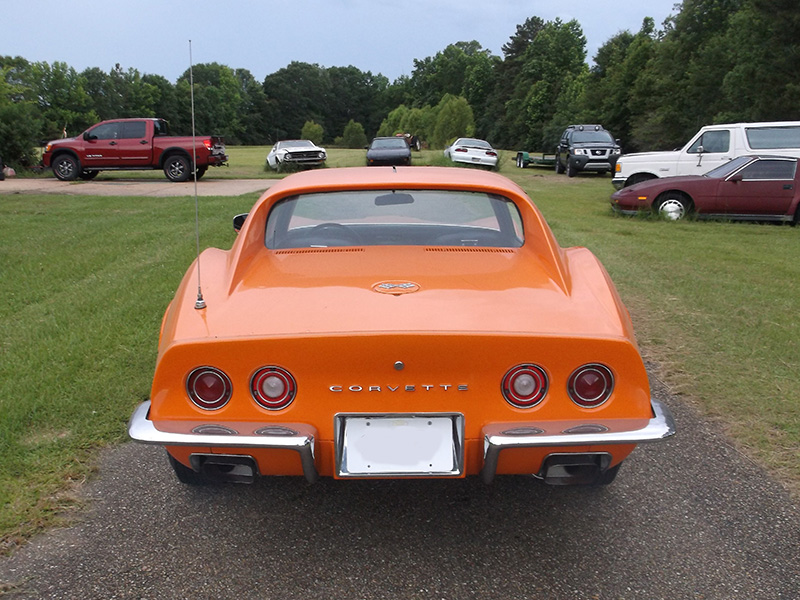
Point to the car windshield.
(385, 143)
(584, 137)
(729, 167)
(472, 143)
(295, 144)
(396, 218)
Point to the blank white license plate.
(400, 445)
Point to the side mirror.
(736, 178)
(700, 149)
(88, 136)
(238, 222)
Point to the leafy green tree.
(556, 55)
(19, 121)
(217, 102)
(312, 131)
(353, 95)
(459, 70)
(354, 136)
(254, 110)
(393, 123)
(454, 119)
(611, 96)
(761, 84)
(300, 92)
(164, 97)
(63, 102)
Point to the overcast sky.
(264, 36)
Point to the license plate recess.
(400, 445)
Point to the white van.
(712, 146)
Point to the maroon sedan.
(755, 188)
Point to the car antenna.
(199, 303)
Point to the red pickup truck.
(132, 144)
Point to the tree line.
(711, 61)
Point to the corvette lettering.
(399, 388)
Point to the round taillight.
(525, 386)
(273, 388)
(209, 388)
(590, 385)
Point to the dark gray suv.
(586, 148)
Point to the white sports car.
(472, 151)
(304, 153)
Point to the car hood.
(650, 156)
(336, 291)
(593, 145)
(662, 183)
(63, 141)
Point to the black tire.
(201, 171)
(559, 166)
(638, 178)
(672, 206)
(571, 172)
(177, 168)
(66, 167)
(184, 473)
(87, 175)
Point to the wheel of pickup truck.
(559, 166)
(177, 168)
(201, 171)
(66, 167)
(571, 172)
(87, 175)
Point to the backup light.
(525, 386)
(273, 388)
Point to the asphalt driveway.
(687, 519)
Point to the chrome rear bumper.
(299, 438)
(499, 437)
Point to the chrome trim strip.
(142, 430)
(498, 437)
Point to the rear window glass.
(762, 138)
(394, 217)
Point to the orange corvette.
(408, 322)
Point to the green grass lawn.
(85, 281)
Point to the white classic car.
(303, 153)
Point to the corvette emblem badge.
(396, 288)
